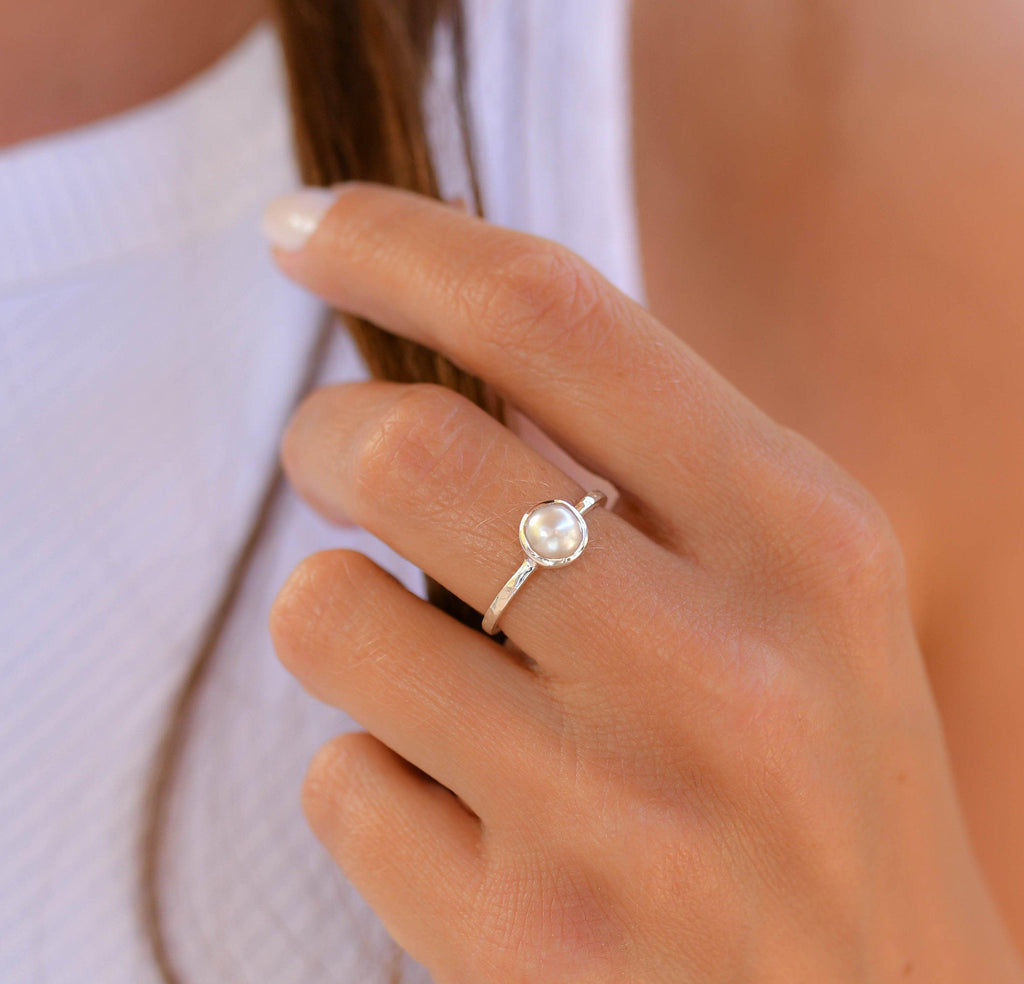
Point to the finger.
(445, 485)
(406, 844)
(443, 696)
(618, 390)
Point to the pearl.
(553, 531)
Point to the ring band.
(552, 534)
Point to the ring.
(553, 533)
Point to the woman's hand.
(719, 759)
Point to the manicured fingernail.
(290, 220)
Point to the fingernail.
(290, 220)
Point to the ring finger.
(445, 485)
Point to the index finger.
(614, 387)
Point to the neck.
(71, 62)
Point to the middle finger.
(615, 388)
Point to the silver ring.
(552, 534)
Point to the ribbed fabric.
(149, 355)
(155, 177)
(553, 98)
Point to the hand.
(720, 760)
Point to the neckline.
(160, 172)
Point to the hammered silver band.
(545, 545)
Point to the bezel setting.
(553, 561)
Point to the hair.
(357, 72)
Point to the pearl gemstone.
(553, 531)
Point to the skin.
(722, 760)
(834, 221)
(69, 69)
(856, 172)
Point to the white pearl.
(553, 531)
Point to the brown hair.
(357, 71)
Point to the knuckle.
(543, 896)
(332, 780)
(830, 531)
(299, 603)
(310, 421)
(316, 593)
(291, 439)
(418, 454)
(539, 296)
(860, 546)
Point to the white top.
(149, 355)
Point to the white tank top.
(149, 355)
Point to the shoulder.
(815, 228)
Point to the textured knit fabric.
(149, 357)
